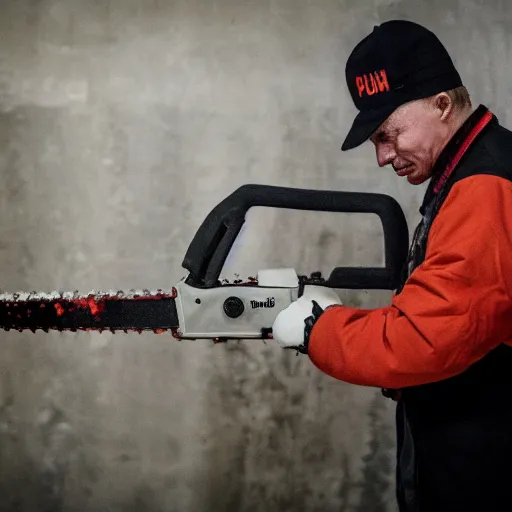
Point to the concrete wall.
(122, 123)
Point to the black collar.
(450, 150)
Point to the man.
(443, 347)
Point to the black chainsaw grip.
(213, 240)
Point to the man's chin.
(416, 178)
(414, 181)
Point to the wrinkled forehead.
(405, 116)
(389, 127)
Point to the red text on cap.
(372, 83)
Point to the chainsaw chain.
(68, 295)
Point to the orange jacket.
(454, 309)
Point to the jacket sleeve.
(454, 308)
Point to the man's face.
(411, 139)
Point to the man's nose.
(385, 155)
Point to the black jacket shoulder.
(490, 154)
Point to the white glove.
(293, 325)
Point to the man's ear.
(444, 105)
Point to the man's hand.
(293, 325)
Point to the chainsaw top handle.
(214, 239)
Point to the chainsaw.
(201, 305)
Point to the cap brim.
(364, 126)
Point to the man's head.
(413, 136)
(409, 94)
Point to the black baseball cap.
(400, 61)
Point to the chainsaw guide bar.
(70, 311)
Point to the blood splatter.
(94, 306)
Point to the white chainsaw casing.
(201, 312)
(278, 277)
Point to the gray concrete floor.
(122, 123)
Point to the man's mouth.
(403, 171)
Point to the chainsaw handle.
(215, 237)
